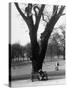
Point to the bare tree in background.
(38, 52)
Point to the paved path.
(28, 83)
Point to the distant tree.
(59, 41)
(16, 50)
(28, 50)
(55, 42)
(62, 40)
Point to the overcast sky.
(19, 29)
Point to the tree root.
(40, 75)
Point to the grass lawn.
(25, 70)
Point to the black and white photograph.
(36, 44)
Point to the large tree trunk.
(38, 53)
(35, 48)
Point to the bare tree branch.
(28, 10)
(61, 11)
(55, 9)
(19, 10)
(41, 11)
(39, 16)
(53, 20)
(36, 7)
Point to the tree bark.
(34, 47)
